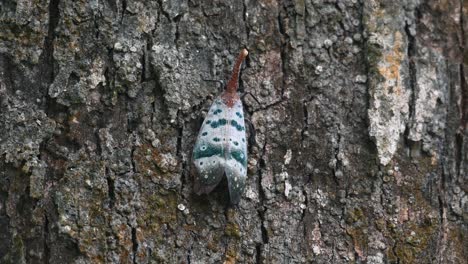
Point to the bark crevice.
(46, 240)
(411, 53)
(47, 73)
(261, 208)
(134, 245)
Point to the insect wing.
(236, 153)
(209, 151)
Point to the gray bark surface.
(358, 144)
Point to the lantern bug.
(221, 146)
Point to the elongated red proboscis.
(230, 96)
(234, 81)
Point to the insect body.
(221, 147)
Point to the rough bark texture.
(358, 145)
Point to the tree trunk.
(358, 144)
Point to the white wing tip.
(244, 52)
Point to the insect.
(221, 147)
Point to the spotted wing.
(236, 151)
(209, 152)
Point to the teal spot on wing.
(220, 122)
(237, 125)
(217, 111)
(214, 124)
(209, 151)
(239, 156)
(204, 133)
(239, 114)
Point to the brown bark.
(357, 145)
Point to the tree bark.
(358, 144)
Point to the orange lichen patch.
(403, 214)
(230, 260)
(232, 229)
(162, 210)
(192, 228)
(360, 241)
(390, 67)
(124, 240)
(97, 259)
(418, 224)
(140, 237)
(356, 220)
(212, 246)
(414, 240)
(160, 213)
(230, 257)
(151, 161)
